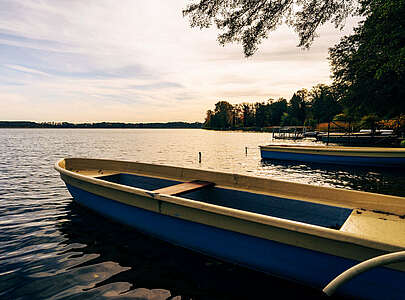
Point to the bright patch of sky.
(138, 61)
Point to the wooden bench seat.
(178, 189)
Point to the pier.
(289, 132)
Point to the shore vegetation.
(368, 68)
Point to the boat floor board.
(185, 187)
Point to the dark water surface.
(52, 248)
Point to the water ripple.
(52, 248)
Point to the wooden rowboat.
(357, 156)
(298, 232)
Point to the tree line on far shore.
(304, 108)
(28, 124)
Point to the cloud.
(115, 60)
(154, 86)
(26, 70)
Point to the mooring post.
(199, 157)
(246, 151)
(327, 143)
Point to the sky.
(139, 61)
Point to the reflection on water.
(148, 265)
(375, 180)
(51, 248)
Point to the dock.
(356, 139)
(289, 132)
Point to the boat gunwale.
(286, 224)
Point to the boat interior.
(290, 209)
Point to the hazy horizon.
(91, 122)
(139, 62)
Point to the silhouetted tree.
(277, 109)
(262, 115)
(223, 115)
(324, 104)
(297, 107)
(248, 114)
(208, 119)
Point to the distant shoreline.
(106, 125)
(244, 129)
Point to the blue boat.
(299, 232)
(353, 156)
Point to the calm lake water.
(52, 248)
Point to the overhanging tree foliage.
(369, 66)
(249, 21)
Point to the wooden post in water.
(199, 157)
(246, 151)
(327, 142)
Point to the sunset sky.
(138, 61)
